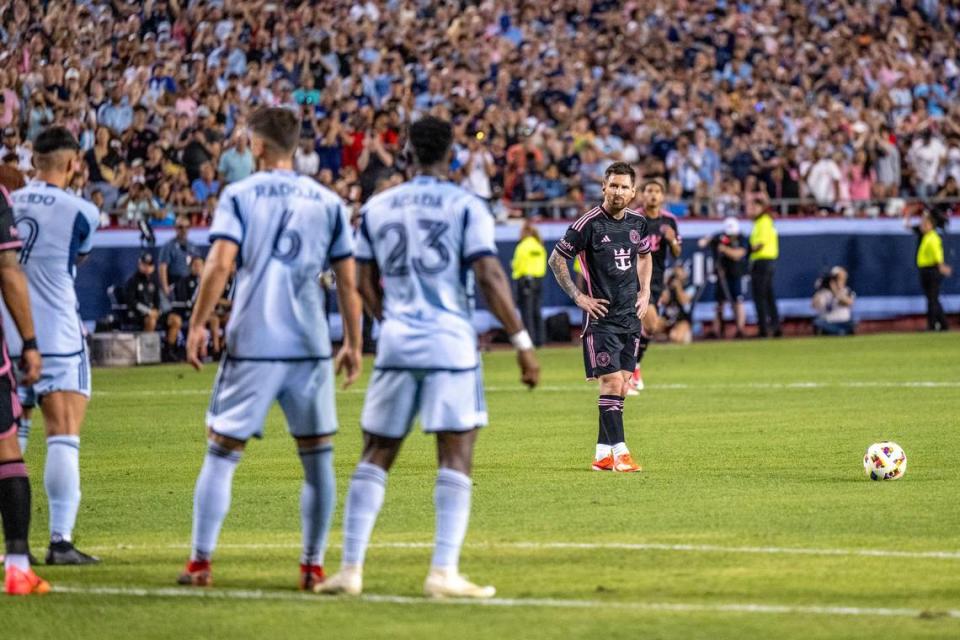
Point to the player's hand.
(669, 234)
(596, 308)
(196, 346)
(643, 302)
(529, 368)
(350, 362)
(30, 366)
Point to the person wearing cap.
(175, 256)
(142, 294)
(57, 230)
(933, 269)
(833, 302)
(728, 250)
(764, 251)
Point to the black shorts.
(10, 411)
(729, 288)
(605, 352)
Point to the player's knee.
(227, 443)
(313, 442)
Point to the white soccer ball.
(885, 461)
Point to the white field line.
(595, 546)
(518, 388)
(548, 603)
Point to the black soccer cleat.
(64, 553)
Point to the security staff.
(932, 269)
(764, 251)
(529, 267)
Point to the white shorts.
(245, 390)
(445, 401)
(59, 373)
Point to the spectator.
(117, 114)
(729, 251)
(927, 157)
(24, 153)
(858, 179)
(10, 176)
(137, 204)
(237, 162)
(478, 167)
(175, 256)
(822, 177)
(764, 251)
(306, 160)
(105, 168)
(833, 303)
(142, 295)
(139, 137)
(206, 185)
(529, 268)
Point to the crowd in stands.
(834, 101)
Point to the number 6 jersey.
(424, 235)
(288, 228)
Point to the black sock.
(15, 506)
(611, 419)
(642, 349)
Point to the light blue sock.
(211, 499)
(452, 499)
(61, 478)
(364, 499)
(318, 498)
(23, 434)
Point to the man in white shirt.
(478, 167)
(823, 180)
(927, 156)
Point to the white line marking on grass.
(595, 546)
(777, 386)
(552, 603)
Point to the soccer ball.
(885, 461)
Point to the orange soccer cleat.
(625, 464)
(196, 574)
(24, 583)
(310, 576)
(603, 464)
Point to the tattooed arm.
(595, 307)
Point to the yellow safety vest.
(930, 252)
(529, 259)
(765, 234)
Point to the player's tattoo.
(558, 264)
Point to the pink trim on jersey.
(587, 217)
(16, 244)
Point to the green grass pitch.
(752, 519)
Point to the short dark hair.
(278, 127)
(55, 139)
(430, 138)
(657, 180)
(620, 169)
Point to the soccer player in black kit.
(611, 244)
(664, 236)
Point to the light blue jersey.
(56, 227)
(424, 235)
(289, 228)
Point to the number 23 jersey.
(424, 236)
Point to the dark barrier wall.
(878, 253)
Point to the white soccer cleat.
(631, 391)
(349, 581)
(447, 583)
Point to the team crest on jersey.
(621, 258)
(635, 236)
(603, 359)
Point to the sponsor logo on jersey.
(622, 258)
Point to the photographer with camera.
(833, 302)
